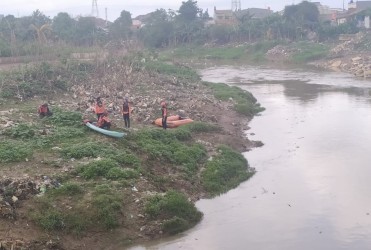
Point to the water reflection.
(312, 187)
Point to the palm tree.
(41, 31)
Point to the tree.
(64, 27)
(121, 27)
(189, 11)
(86, 32)
(304, 16)
(159, 30)
(41, 31)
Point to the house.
(229, 17)
(326, 13)
(358, 5)
(224, 17)
(355, 8)
(256, 13)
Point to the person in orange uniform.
(44, 110)
(164, 114)
(104, 122)
(100, 109)
(126, 112)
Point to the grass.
(257, 51)
(104, 204)
(14, 151)
(175, 210)
(107, 168)
(21, 131)
(168, 147)
(224, 53)
(245, 103)
(180, 72)
(309, 52)
(225, 171)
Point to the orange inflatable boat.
(173, 121)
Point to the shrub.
(65, 118)
(51, 219)
(225, 171)
(245, 102)
(97, 168)
(62, 133)
(126, 159)
(172, 205)
(107, 168)
(11, 151)
(68, 189)
(21, 131)
(87, 149)
(106, 207)
(175, 225)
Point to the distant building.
(229, 17)
(358, 5)
(1, 16)
(137, 24)
(328, 14)
(355, 8)
(224, 17)
(256, 13)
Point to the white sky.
(50, 8)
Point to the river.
(313, 182)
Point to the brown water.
(312, 189)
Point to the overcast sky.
(50, 8)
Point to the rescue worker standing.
(99, 108)
(44, 111)
(126, 112)
(164, 114)
(103, 121)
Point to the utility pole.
(94, 8)
(236, 5)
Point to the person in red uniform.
(100, 109)
(44, 110)
(164, 114)
(104, 122)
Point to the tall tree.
(121, 27)
(64, 27)
(189, 11)
(159, 30)
(86, 32)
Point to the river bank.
(58, 176)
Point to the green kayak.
(104, 131)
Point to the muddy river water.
(312, 189)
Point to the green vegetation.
(65, 118)
(21, 131)
(104, 207)
(167, 147)
(245, 102)
(223, 53)
(225, 171)
(257, 51)
(309, 52)
(107, 168)
(179, 214)
(14, 151)
(181, 72)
